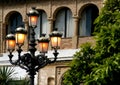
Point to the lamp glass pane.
(55, 41)
(10, 44)
(43, 46)
(33, 21)
(20, 38)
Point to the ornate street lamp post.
(29, 61)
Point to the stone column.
(3, 35)
(26, 43)
(75, 35)
(1, 19)
(51, 22)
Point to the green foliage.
(80, 66)
(108, 15)
(106, 73)
(6, 75)
(23, 81)
(108, 41)
(101, 65)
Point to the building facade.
(74, 18)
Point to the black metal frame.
(29, 61)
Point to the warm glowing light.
(11, 44)
(33, 20)
(43, 47)
(20, 38)
(55, 41)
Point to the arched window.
(64, 22)
(14, 21)
(42, 26)
(88, 15)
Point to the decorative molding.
(60, 70)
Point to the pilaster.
(51, 22)
(75, 35)
(26, 40)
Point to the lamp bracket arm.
(55, 56)
(17, 62)
(41, 61)
(10, 59)
(13, 63)
(10, 56)
(40, 66)
(23, 67)
(19, 50)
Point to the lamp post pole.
(32, 50)
(29, 61)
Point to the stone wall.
(51, 74)
(50, 7)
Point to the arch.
(6, 26)
(88, 14)
(43, 24)
(9, 14)
(64, 21)
(13, 20)
(43, 11)
(85, 6)
(62, 78)
(58, 9)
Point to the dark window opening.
(86, 25)
(15, 20)
(64, 22)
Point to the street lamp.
(29, 61)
